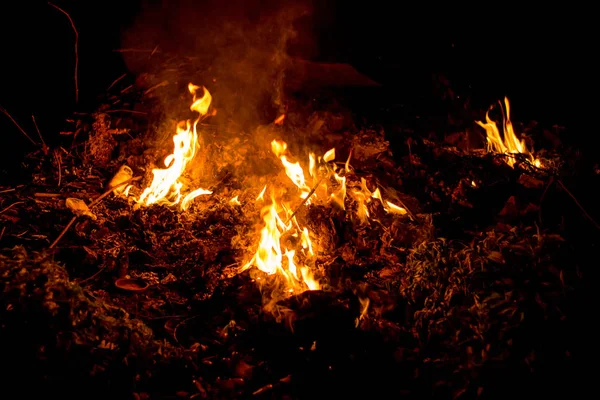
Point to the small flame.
(329, 156)
(508, 142)
(293, 170)
(364, 308)
(166, 187)
(262, 194)
(235, 202)
(279, 120)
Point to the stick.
(59, 164)
(11, 206)
(3, 110)
(38, 131)
(93, 203)
(76, 49)
(47, 194)
(115, 81)
(578, 205)
(312, 191)
(93, 276)
(550, 182)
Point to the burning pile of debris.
(302, 256)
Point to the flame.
(508, 142)
(364, 308)
(166, 186)
(261, 194)
(274, 258)
(235, 202)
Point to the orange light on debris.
(279, 120)
(506, 142)
(166, 187)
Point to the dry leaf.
(123, 174)
(496, 256)
(79, 208)
(530, 182)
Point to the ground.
(477, 292)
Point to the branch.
(76, 49)
(578, 205)
(3, 111)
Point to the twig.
(3, 110)
(59, 164)
(62, 233)
(2, 232)
(542, 198)
(153, 51)
(39, 133)
(47, 194)
(93, 276)
(7, 190)
(312, 191)
(76, 50)
(93, 203)
(126, 111)
(11, 206)
(115, 81)
(578, 205)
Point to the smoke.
(237, 49)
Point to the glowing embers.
(506, 142)
(166, 185)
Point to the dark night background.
(541, 59)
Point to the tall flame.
(507, 142)
(166, 187)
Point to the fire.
(319, 170)
(166, 185)
(284, 249)
(508, 142)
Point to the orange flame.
(166, 187)
(272, 257)
(508, 142)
